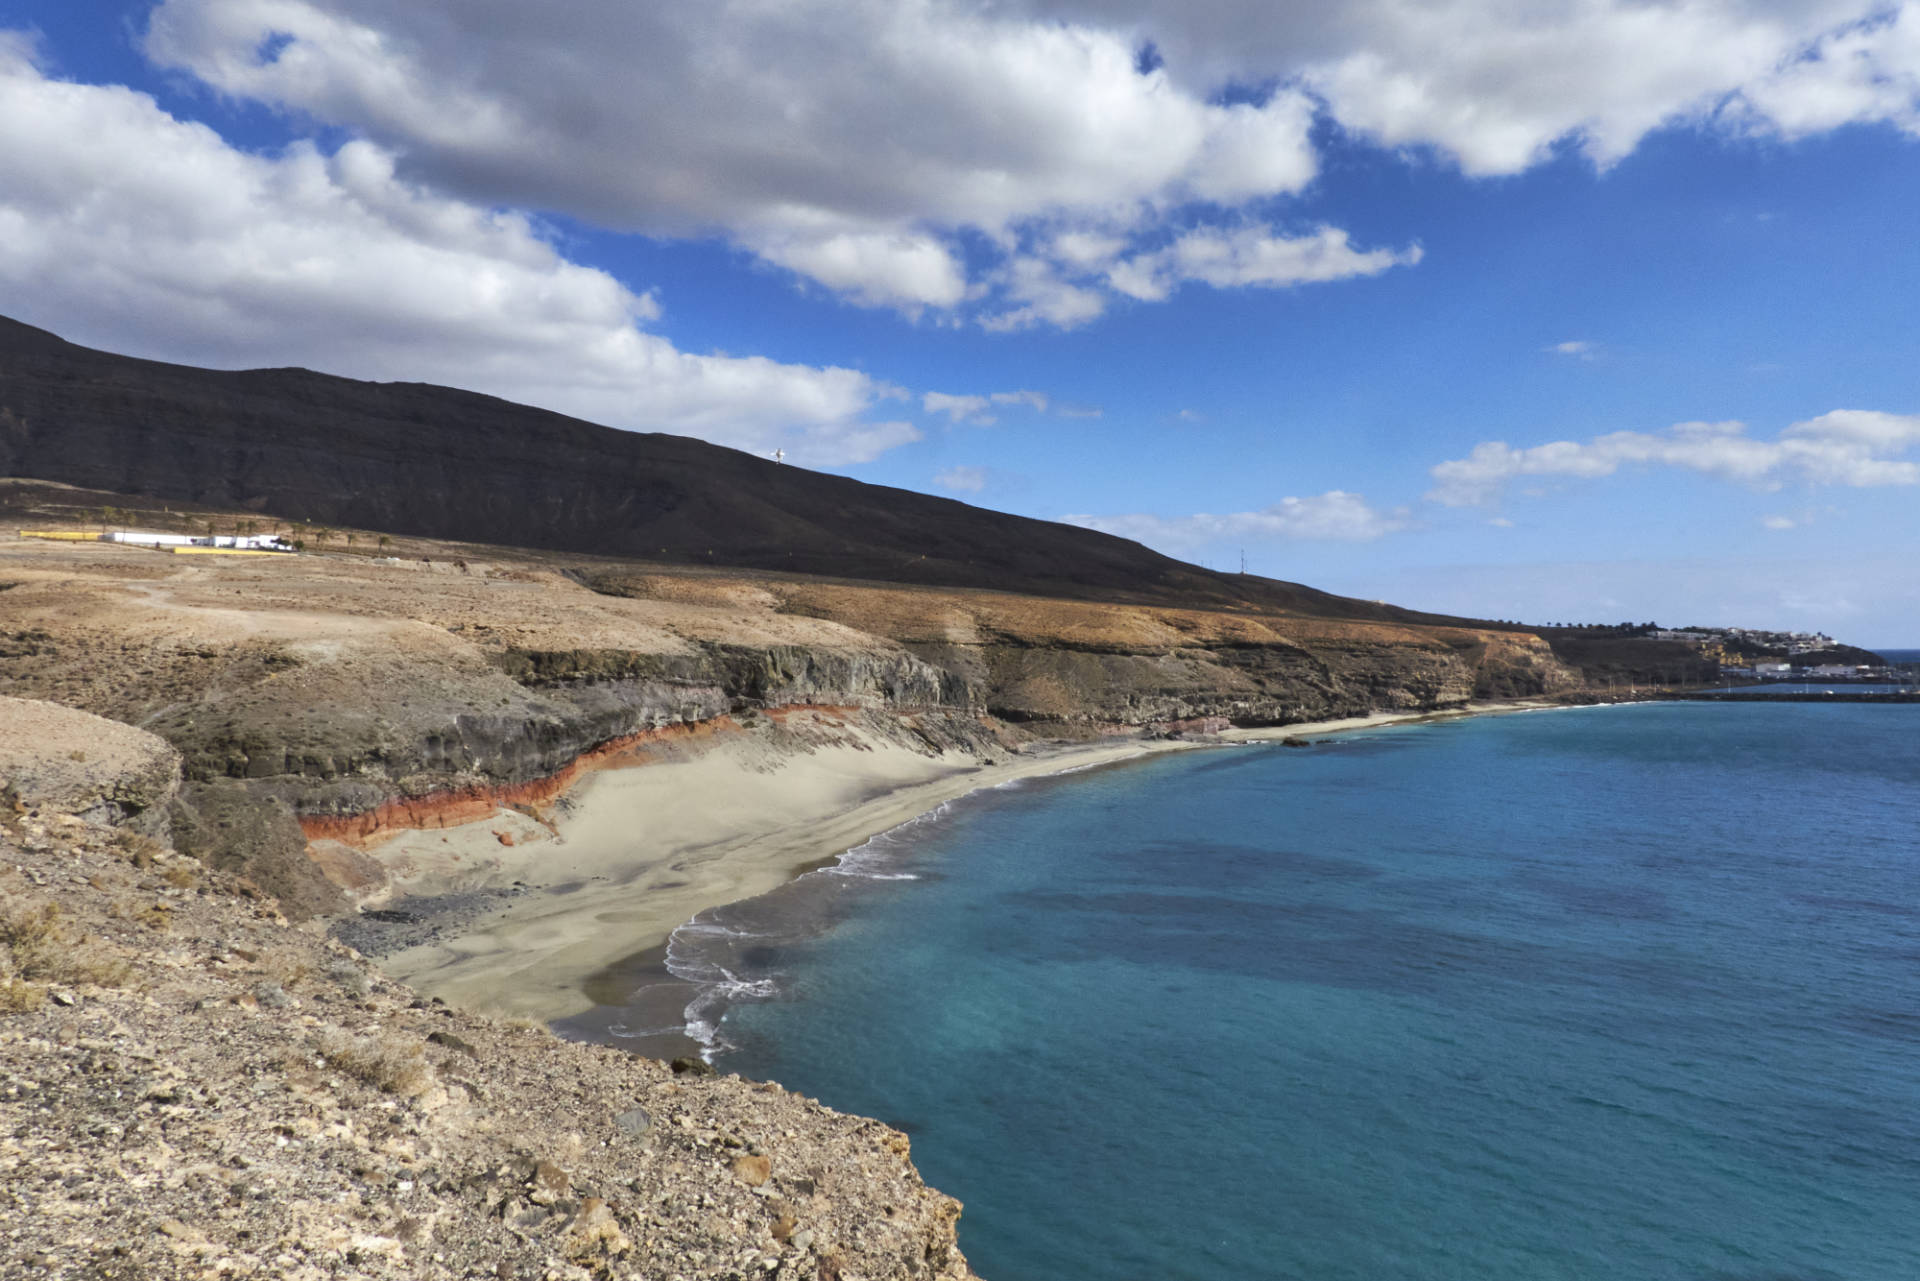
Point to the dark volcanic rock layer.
(420, 730)
(1246, 685)
(409, 458)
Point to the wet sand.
(635, 853)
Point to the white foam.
(720, 987)
(865, 859)
(706, 1010)
(626, 1033)
(714, 929)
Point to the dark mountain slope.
(417, 459)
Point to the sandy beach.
(633, 853)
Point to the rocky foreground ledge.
(190, 1086)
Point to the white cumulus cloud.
(1041, 292)
(1859, 448)
(979, 410)
(1334, 515)
(122, 226)
(854, 142)
(960, 409)
(1497, 85)
(969, 480)
(876, 268)
(1862, 72)
(1018, 161)
(1251, 256)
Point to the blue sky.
(1578, 311)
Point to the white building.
(236, 542)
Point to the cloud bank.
(872, 147)
(1868, 595)
(1334, 515)
(967, 480)
(1024, 162)
(124, 227)
(1852, 447)
(982, 411)
(1848, 447)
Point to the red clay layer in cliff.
(433, 810)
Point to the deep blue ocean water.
(1625, 992)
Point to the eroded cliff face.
(1243, 685)
(746, 675)
(348, 692)
(1071, 664)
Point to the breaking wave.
(731, 954)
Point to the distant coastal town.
(1737, 653)
(1764, 655)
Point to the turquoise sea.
(1627, 992)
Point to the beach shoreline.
(632, 854)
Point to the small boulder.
(550, 1183)
(752, 1170)
(71, 761)
(350, 978)
(594, 1230)
(452, 1042)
